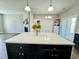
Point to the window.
(73, 25)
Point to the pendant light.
(50, 8)
(27, 8)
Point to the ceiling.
(37, 6)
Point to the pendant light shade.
(27, 8)
(50, 8)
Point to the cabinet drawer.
(55, 47)
(22, 47)
(60, 54)
(46, 54)
(15, 47)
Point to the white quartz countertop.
(42, 38)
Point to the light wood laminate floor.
(75, 54)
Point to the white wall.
(74, 11)
(30, 15)
(1, 23)
(13, 23)
(77, 25)
(31, 21)
(46, 24)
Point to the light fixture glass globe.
(50, 8)
(27, 8)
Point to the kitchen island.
(43, 46)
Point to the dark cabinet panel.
(33, 51)
(76, 41)
(13, 55)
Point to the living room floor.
(75, 53)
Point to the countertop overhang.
(42, 38)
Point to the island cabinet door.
(30, 55)
(13, 55)
(14, 51)
(30, 52)
(46, 54)
(55, 52)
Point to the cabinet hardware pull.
(52, 55)
(22, 53)
(54, 48)
(19, 53)
(56, 55)
(20, 47)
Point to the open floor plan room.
(39, 29)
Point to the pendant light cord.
(27, 3)
(50, 2)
